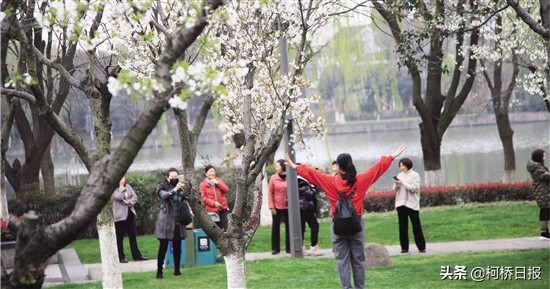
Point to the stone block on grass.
(377, 256)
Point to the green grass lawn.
(440, 224)
(420, 271)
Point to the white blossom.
(114, 86)
(177, 102)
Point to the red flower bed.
(380, 201)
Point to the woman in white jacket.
(407, 202)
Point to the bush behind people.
(54, 208)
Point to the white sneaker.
(306, 253)
(314, 251)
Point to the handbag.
(185, 213)
(214, 216)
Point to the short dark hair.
(171, 170)
(282, 164)
(334, 162)
(537, 155)
(208, 167)
(406, 162)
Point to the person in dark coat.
(124, 199)
(308, 214)
(541, 189)
(168, 225)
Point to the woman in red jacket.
(279, 206)
(349, 250)
(213, 190)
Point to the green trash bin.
(205, 249)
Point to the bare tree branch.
(361, 4)
(161, 28)
(19, 94)
(67, 75)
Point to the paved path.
(59, 274)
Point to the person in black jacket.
(308, 213)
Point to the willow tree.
(357, 65)
(36, 242)
(420, 30)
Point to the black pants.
(222, 224)
(276, 231)
(127, 226)
(163, 247)
(544, 214)
(309, 217)
(403, 214)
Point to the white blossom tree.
(508, 44)
(37, 242)
(536, 15)
(243, 45)
(420, 30)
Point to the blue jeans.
(349, 252)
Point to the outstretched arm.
(399, 151)
(289, 161)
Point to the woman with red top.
(213, 190)
(279, 207)
(349, 250)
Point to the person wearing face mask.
(277, 197)
(168, 225)
(124, 198)
(213, 191)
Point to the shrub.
(380, 201)
(51, 208)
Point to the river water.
(468, 154)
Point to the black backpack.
(346, 220)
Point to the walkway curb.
(95, 274)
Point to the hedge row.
(53, 209)
(381, 201)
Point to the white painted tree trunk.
(509, 176)
(236, 271)
(110, 267)
(4, 213)
(265, 213)
(434, 178)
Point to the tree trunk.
(47, 170)
(266, 218)
(501, 102)
(236, 270)
(506, 134)
(4, 212)
(31, 185)
(112, 276)
(31, 256)
(431, 150)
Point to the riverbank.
(211, 135)
(413, 122)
